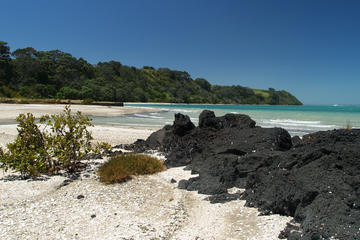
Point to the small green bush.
(29, 152)
(60, 145)
(69, 139)
(120, 168)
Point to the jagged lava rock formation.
(315, 179)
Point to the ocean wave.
(179, 110)
(296, 123)
(137, 115)
(292, 121)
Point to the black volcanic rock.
(182, 124)
(223, 150)
(315, 179)
(317, 182)
(207, 119)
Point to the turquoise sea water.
(298, 120)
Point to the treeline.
(28, 73)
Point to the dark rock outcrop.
(182, 124)
(315, 179)
(207, 119)
(317, 182)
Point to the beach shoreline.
(147, 207)
(112, 134)
(10, 111)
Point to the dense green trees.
(5, 66)
(55, 74)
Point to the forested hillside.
(30, 73)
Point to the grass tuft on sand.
(122, 167)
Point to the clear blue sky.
(310, 48)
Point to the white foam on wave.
(293, 121)
(296, 123)
(147, 116)
(178, 110)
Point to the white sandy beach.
(112, 135)
(11, 111)
(147, 207)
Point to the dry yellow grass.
(121, 168)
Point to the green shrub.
(120, 168)
(60, 145)
(28, 154)
(69, 139)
